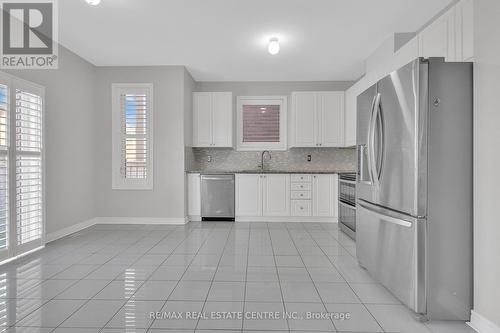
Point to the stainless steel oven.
(347, 204)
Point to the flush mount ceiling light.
(274, 46)
(93, 2)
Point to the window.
(28, 166)
(262, 123)
(21, 166)
(132, 136)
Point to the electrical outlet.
(309, 158)
(209, 158)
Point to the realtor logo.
(29, 34)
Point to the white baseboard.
(112, 220)
(482, 324)
(141, 220)
(194, 218)
(303, 219)
(69, 230)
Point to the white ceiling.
(225, 40)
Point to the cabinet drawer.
(301, 178)
(301, 195)
(301, 186)
(301, 208)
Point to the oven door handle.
(347, 205)
(352, 182)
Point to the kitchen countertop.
(220, 172)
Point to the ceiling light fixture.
(274, 46)
(93, 2)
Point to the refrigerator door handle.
(369, 145)
(371, 139)
(388, 215)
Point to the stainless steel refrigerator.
(414, 186)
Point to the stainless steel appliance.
(217, 197)
(414, 187)
(347, 204)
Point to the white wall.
(487, 159)
(70, 118)
(189, 86)
(166, 200)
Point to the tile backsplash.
(322, 159)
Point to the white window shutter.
(29, 191)
(4, 165)
(132, 136)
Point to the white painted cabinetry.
(304, 119)
(451, 35)
(212, 119)
(259, 195)
(438, 39)
(324, 195)
(331, 110)
(317, 119)
(193, 193)
(248, 195)
(351, 96)
(276, 195)
(464, 30)
(284, 197)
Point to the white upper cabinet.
(212, 119)
(451, 35)
(325, 197)
(202, 119)
(304, 119)
(351, 96)
(276, 195)
(438, 39)
(331, 119)
(464, 32)
(317, 119)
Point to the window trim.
(259, 100)
(118, 181)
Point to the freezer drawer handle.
(384, 217)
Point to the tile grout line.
(246, 279)
(112, 280)
(76, 281)
(278, 275)
(361, 301)
(213, 277)
(187, 267)
(147, 279)
(307, 270)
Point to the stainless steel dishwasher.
(217, 197)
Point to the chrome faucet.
(262, 159)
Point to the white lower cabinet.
(262, 195)
(325, 195)
(301, 208)
(284, 197)
(276, 198)
(194, 200)
(248, 195)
